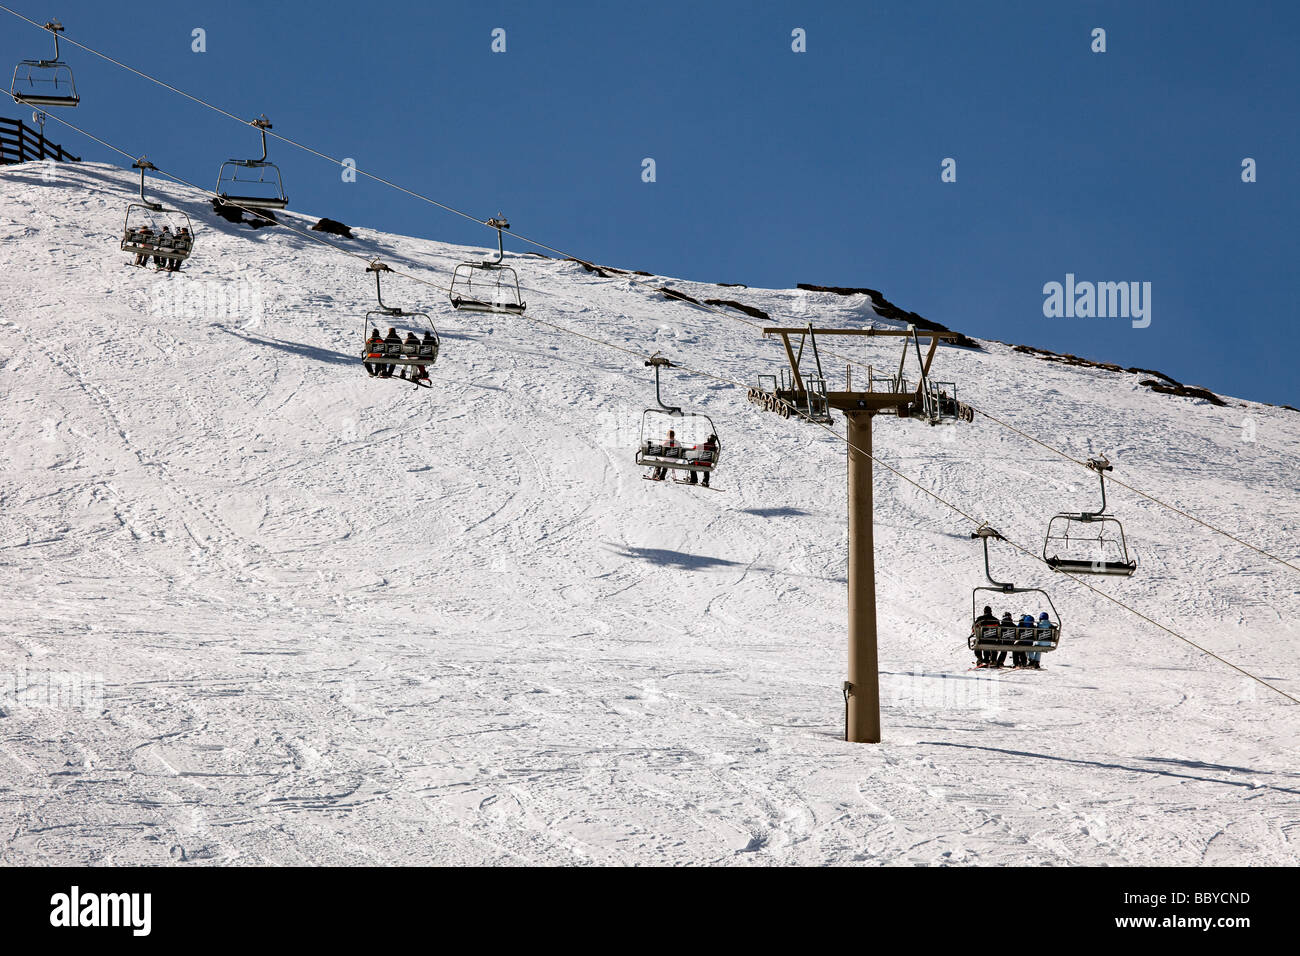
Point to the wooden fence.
(20, 143)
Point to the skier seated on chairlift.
(182, 243)
(164, 242)
(987, 619)
(707, 449)
(1021, 658)
(143, 237)
(411, 347)
(998, 658)
(374, 345)
(428, 348)
(392, 338)
(1044, 623)
(670, 442)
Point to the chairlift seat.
(671, 438)
(42, 100)
(267, 177)
(462, 304)
(1079, 566)
(394, 354)
(154, 249)
(658, 456)
(254, 202)
(991, 637)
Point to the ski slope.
(344, 621)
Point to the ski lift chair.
(997, 637)
(261, 186)
(45, 82)
(146, 213)
(490, 285)
(398, 353)
(1089, 542)
(690, 448)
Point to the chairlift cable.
(315, 237)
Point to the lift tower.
(886, 394)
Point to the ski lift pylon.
(381, 356)
(142, 230)
(1089, 542)
(268, 187)
(489, 285)
(998, 637)
(674, 439)
(45, 82)
(801, 392)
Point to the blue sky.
(775, 167)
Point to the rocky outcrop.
(887, 310)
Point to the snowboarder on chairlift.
(987, 619)
(374, 344)
(669, 442)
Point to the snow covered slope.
(344, 621)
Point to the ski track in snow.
(344, 621)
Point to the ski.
(682, 481)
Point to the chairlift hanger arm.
(658, 362)
(1100, 466)
(55, 27)
(498, 223)
(378, 268)
(142, 164)
(984, 532)
(262, 124)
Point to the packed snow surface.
(337, 620)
